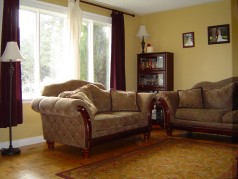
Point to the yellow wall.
(31, 126)
(132, 47)
(234, 15)
(203, 62)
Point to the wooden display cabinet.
(155, 72)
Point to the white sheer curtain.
(74, 30)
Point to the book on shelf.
(149, 79)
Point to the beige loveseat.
(81, 114)
(210, 107)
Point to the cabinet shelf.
(155, 72)
(148, 69)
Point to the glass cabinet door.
(152, 62)
(161, 79)
(155, 71)
(160, 62)
(152, 79)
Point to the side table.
(157, 117)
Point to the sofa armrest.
(146, 102)
(169, 101)
(60, 106)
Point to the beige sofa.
(210, 107)
(82, 114)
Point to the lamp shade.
(142, 32)
(11, 52)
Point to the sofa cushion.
(100, 98)
(83, 97)
(231, 117)
(219, 98)
(204, 115)
(107, 123)
(124, 100)
(191, 98)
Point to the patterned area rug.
(169, 159)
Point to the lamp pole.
(10, 150)
(143, 44)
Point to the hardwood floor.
(37, 162)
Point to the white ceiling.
(142, 7)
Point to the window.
(43, 45)
(95, 49)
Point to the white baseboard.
(23, 142)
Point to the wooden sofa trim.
(166, 116)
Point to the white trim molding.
(97, 17)
(43, 5)
(23, 142)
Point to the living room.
(203, 62)
(165, 29)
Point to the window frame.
(62, 9)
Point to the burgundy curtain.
(118, 79)
(10, 32)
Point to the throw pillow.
(100, 98)
(84, 89)
(83, 97)
(191, 98)
(124, 100)
(66, 94)
(219, 98)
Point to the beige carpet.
(169, 159)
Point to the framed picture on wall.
(218, 34)
(188, 39)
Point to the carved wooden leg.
(147, 136)
(235, 138)
(85, 153)
(51, 145)
(168, 131)
(189, 133)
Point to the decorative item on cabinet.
(149, 48)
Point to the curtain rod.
(133, 15)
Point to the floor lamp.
(11, 54)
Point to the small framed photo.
(188, 39)
(218, 34)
